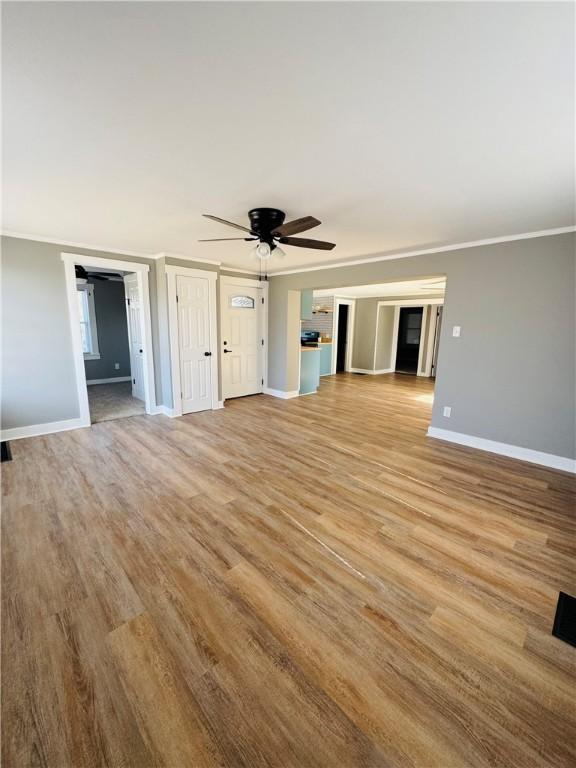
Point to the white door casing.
(193, 333)
(351, 304)
(426, 304)
(193, 309)
(141, 270)
(134, 318)
(242, 336)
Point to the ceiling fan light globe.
(279, 252)
(263, 251)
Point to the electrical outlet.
(117, 366)
(456, 331)
(447, 412)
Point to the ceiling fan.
(83, 274)
(267, 225)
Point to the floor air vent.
(565, 619)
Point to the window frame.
(88, 290)
(242, 306)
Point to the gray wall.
(364, 339)
(38, 376)
(112, 325)
(384, 338)
(511, 375)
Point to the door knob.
(207, 354)
(227, 350)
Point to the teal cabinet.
(306, 298)
(309, 370)
(325, 359)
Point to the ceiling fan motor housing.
(263, 221)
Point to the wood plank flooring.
(309, 583)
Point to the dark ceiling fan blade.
(303, 242)
(221, 239)
(109, 274)
(298, 225)
(228, 223)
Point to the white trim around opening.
(351, 303)
(141, 270)
(426, 318)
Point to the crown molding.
(240, 271)
(166, 255)
(316, 268)
(426, 251)
(73, 244)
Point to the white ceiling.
(399, 125)
(433, 286)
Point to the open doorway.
(109, 314)
(409, 336)
(385, 329)
(109, 306)
(342, 335)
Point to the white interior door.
(134, 315)
(242, 349)
(193, 307)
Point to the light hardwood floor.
(307, 583)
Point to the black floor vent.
(6, 452)
(565, 619)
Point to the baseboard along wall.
(370, 372)
(504, 449)
(36, 430)
(281, 394)
(115, 380)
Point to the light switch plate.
(456, 331)
(447, 412)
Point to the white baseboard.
(36, 430)
(504, 449)
(370, 372)
(162, 410)
(280, 393)
(115, 380)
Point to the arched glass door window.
(242, 302)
